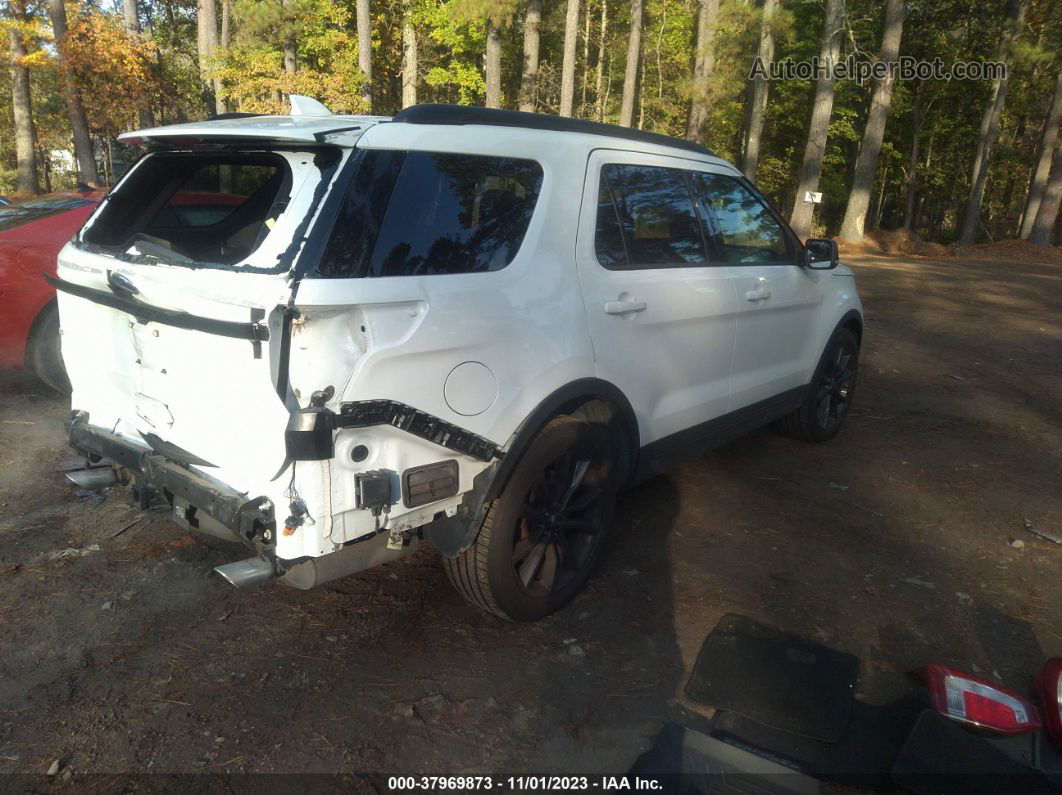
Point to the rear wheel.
(542, 537)
(43, 356)
(830, 393)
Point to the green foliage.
(119, 75)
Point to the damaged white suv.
(332, 337)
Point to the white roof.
(287, 129)
(311, 122)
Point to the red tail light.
(1049, 688)
(979, 702)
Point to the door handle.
(760, 291)
(623, 307)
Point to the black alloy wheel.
(559, 526)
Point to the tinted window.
(417, 213)
(740, 224)
(655, 215)
(456, 214)
(357, 226)
(212, 193)
(608, 239)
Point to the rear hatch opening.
(172, 303)
(204, 209)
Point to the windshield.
(15, 215)
(185, 208)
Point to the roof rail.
(495, 117)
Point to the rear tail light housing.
(978, 702)
(1049, 689)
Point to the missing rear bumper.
(199, 503)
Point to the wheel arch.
(853, 321)
(591, 399)
(34, 332)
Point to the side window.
(357, 226)
(418, 213)
(456, 214)
(653, 223)
(608, 239)
(741, 226)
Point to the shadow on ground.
(892, 542)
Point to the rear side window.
(742, 228)
(419, 213)
(212, 193)
(646, 219)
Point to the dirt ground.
(893, 542)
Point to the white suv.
(332, 337)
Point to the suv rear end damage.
(201, 374)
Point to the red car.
(31, 235)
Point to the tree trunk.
(989, 127)
(1047, 212)
(131, 22)
(585, 82)
(758, 99)
(703, 63)
(912, 163)
(226, 24)
(630, 76)
(409, 58)
(492, 64)
(207, 45)
(529, 76)
(1043, 163)
(811, 168)
(867, 161)
(364, 22)
(130, 16)
(289, 45)
(22, 105)
(86, 160)
(599, 88)
(571, 36)
(881, 198)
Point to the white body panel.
(671, 359)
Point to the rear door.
(661, 316)
(171, 303)
(778, 301)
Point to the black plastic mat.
(941, 757)
(863, 757)
(780, 680)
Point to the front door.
(661, 316)
(778, 300)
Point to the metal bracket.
(366, 413)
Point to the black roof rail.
(232, 115)
(495, 117)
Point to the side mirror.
(820, 254)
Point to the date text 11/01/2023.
(523, 783)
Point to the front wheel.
(830, 393)
(542, 537)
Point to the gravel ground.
(901, 541)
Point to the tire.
(42, 355)
(540, 540)
(830, 393)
